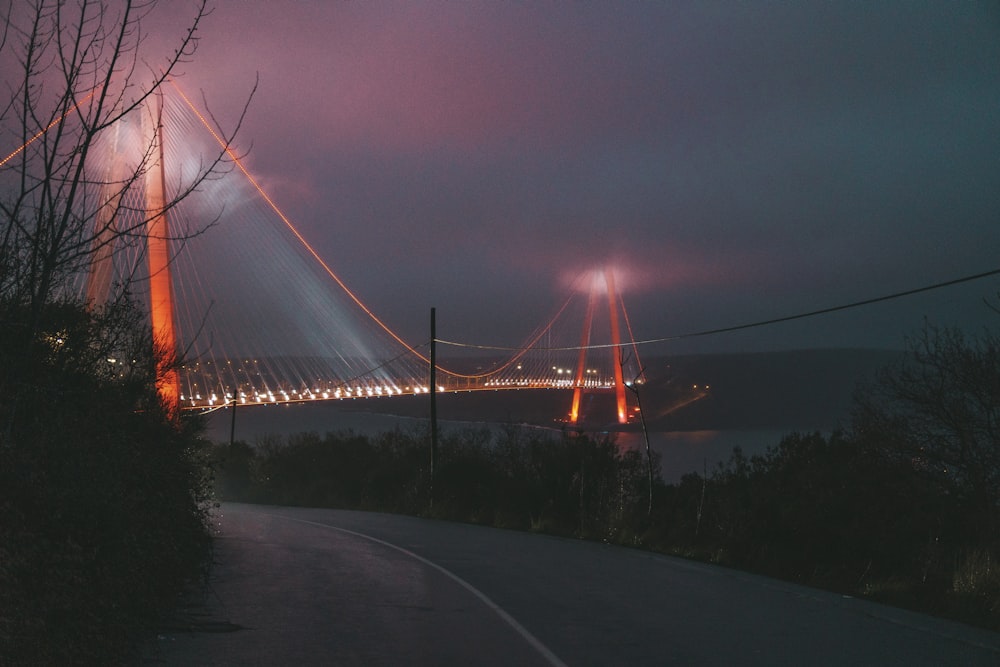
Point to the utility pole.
(649, 455)
(634, 387)
(232, 426)
(434, 425)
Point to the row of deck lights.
(282, 396)
(564, 379)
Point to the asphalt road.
(295, 586)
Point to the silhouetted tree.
(938, 410)
(102, 494)
(73, 72)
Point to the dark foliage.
(938, 411)
(569, 485)
(102, 495)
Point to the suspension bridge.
(254, 315)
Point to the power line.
(751, 325)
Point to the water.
(255, 422)
(682, 452)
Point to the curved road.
(331, 587)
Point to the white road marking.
(532, 640)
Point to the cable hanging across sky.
(750, 325)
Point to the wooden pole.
(634, 386)
(232, 426)
(433, 388)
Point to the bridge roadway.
(214, 399)
(329, 587)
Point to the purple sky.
(736, 161)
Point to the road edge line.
(532, 640)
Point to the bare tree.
(938, 410)
(74, 72)
(98, 481)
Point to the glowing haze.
(731, 161)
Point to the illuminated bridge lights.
(211, 391)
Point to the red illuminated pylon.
(161, 293)
(574, 413)
(620, 401)
(616, 350)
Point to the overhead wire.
(750, 325)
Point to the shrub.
(103, 499)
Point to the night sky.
(733, 161)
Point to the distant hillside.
(794, 390)
(801, 389)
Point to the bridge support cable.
(641, 376)
(112, 187)
(265, 319)
(321, 263)
(288, 223)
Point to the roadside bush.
(103, 499)
(567, 485)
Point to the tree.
(103, 499)
(77, 72)
(102, 496)
(938, 409)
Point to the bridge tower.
(588, 320)
(161, 292)
(161, 297)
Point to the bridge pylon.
(161, 293)
(580, 380)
